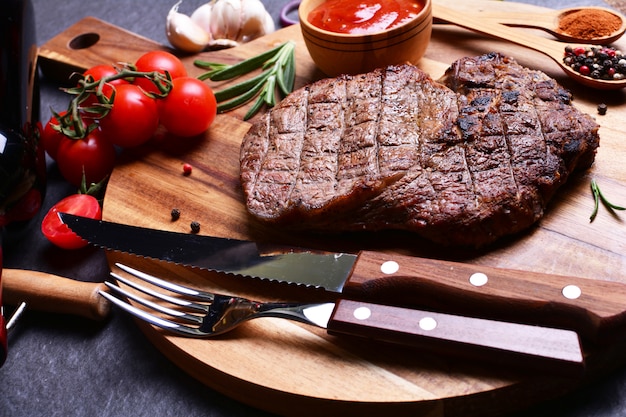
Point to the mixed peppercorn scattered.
(599, 62)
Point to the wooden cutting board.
(294, 370)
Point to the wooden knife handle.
(593, 308)
(51, 293)
(547, 349)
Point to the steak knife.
(592, 308)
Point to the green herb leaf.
(241, 88)
(598, 196)
(596, 200)
(241, 99)
(214, 68)
(287, 77)
(278, 66)
(255, 108)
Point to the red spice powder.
(589, 24)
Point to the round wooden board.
(294, 370)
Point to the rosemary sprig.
(276, 79)
(597, 197)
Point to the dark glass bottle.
(22, 160)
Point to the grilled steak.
(464, 160)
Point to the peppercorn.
(187, 169)
(598, 62)
(195, 227)
(175, 213)
(602, 109)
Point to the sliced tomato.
(58, 232)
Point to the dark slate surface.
(64, 366)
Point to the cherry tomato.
(158, 61)
(58, 232)
(50, 138)
(98, 72)
(189, 108)
(94, 155)
(133, 119)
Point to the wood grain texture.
(293, 370)
(51, 293)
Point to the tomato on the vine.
(50, 137)
(94, 156)
(97, 73)
(160, 61)
(133, 119)
(189, 108)
(58, 232)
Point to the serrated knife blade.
(239, 257)
(592, 308)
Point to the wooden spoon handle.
(551, 48)
(546, 20)
(51, 293)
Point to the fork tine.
(180, 289)
(149, 318)
(154, 306)
(156, 294)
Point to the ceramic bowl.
(338, 53)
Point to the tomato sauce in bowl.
(363, 16)
(336, 53)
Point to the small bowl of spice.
(352, 37)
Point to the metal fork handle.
(227, 312)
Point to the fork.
(201, 314)
(218, 314)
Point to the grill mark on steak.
(467, 159)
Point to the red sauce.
(363, 16)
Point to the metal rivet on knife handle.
(362, 313)
(389, 267)
(571, 292)
(478, 279)
(428, 323)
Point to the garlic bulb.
(225, 22)
(255, 21)
(202, 16)
(185, 34)
(226, 19)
